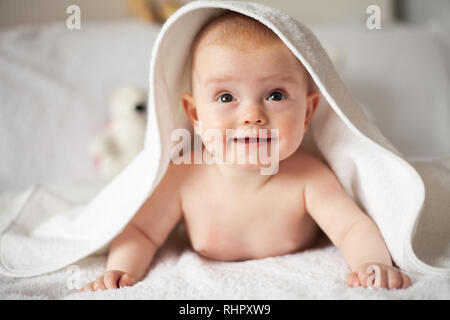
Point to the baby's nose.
(253, 116)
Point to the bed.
(54, 93)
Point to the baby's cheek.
(292, 130)
(291, 135)
(214, 122)
(212, 132)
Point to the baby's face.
(263, 88)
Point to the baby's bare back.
(228, 222)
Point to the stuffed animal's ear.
(142, 9)
(157, 11)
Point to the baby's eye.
(277, 96)
(225, 98)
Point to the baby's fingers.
(110, 279)
(126, 280)
(395, 279)
(406, 281)
(88, 287)
(373, 277)
(353, 280)
(98, 284)
(378, 276)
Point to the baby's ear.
(189, 107)
(312, 101)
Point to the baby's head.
(244, 77)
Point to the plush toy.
(123, 136)
(157, 11)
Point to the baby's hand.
(378, 275)
(111, 279)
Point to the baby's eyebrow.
(281, 78)
(220, 79)
(227, 78)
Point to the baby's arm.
(352, 231)
(132, 251)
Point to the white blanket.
(413, 214)
(177, 272)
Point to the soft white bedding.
(54, 88)
(179, 273)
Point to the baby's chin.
(248, 157)
(251, 155)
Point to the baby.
(244, 77)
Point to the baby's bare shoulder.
(309, 167)
(318, 177)
(176, 174)
(314, 173)
(183, 170)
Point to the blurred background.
(14, 12)
(64, 116)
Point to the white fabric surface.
(93, 265)
(177, 272)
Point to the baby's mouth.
(249, 140)
(252, 142)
